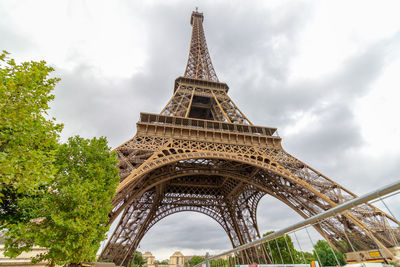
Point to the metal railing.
(377, 195)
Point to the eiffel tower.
(202, 154)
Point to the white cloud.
(378, 113)
(339, 29)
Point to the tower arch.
(215, 183)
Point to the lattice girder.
(217, 105)
(312, 179)
(199, 64)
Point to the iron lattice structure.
(202, 154)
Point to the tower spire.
(199, 65)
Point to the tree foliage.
(326, 255)
(27, 138)
(164, 262)
(53, 196)
(283, 246)
(138, 260)
(218, 263)
(71, 217)
(196, 260)
(308, 257)
(281, 249)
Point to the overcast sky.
(325, 73)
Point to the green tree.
(138, 260)
(164, 262)
(218, 263)
(285, 248)
(309, 257)
(28, 138)
(71, 214)
(196, 260)
(326, 255)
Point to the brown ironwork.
(199, 64)
(202, 154)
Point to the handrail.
(319, 217)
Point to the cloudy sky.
(325, 73)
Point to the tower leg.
(130, 229)
(243, 222)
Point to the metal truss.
(218, 105)
(317, 219)
(199, 65)
(202, 154)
